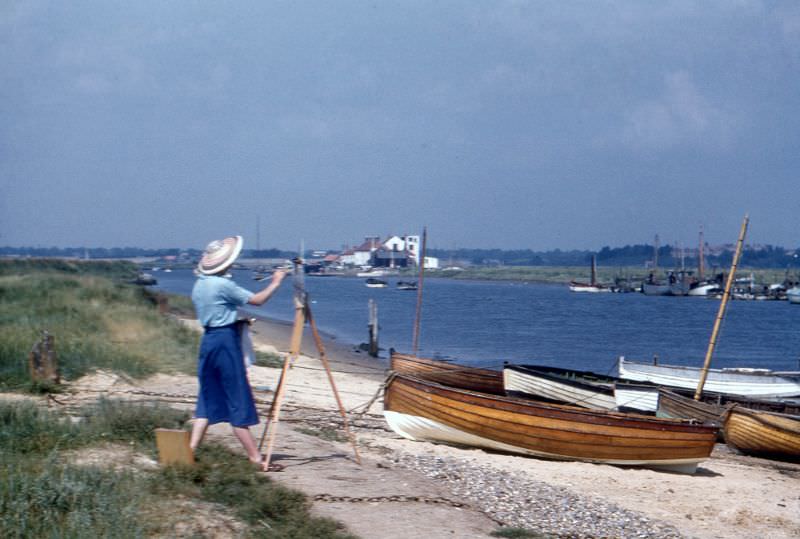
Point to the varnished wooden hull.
(763, 434)
(713, 407)
(449, 374)
(676, 406)
(422, 410)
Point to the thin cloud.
(680, 116)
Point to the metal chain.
(402, 498)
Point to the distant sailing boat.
(702, 286)
(652, 286)
(592, 286)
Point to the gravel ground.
(524, 503)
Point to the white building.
(407, 244)
(361, 255)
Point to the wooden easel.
(302, 314)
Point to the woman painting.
(225, 394)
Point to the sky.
(508, 124)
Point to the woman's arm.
(260, 298)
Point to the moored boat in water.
(407, 285)
(423, 410)
(793, 295)
(376, 283)
(592, 286)
(144, 279)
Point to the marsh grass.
(47, 499)
(113, 269)
(253, 497)
(565, 274)
(325, 433)
(97, 323)
(268, 359)
(42, 495)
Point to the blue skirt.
(225, 394)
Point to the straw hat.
(219, 255)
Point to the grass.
(325, 433)
(42, 494)
(97, 323)
(100, 321)
(109, 269)
(268, 359)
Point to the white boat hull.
(702, 290)
(554, 390)
(762, 384)
(793, 295)
(418, 428)
(644, 399)
(589, 288)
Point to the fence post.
(42, 360)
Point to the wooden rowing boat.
(755, 383)
(419, 409)
(676, 406)
(580, 388)
(715, 407)
(449, 374)
(763, 434)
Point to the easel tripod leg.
(324, 359)
(270, 429)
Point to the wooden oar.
(721, 313)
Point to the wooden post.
(42, 360)
(721, 313)
(163, 304)
(373, 329)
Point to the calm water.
(486, 323)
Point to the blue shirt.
(216, 299)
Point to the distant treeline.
(631, 255)
(128, 252)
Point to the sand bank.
(408, 489)
(730, 496)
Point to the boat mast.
(421, 266)
(722, 305)
(700, 251)
(655, 258)
(258, 232)
(594, 270)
